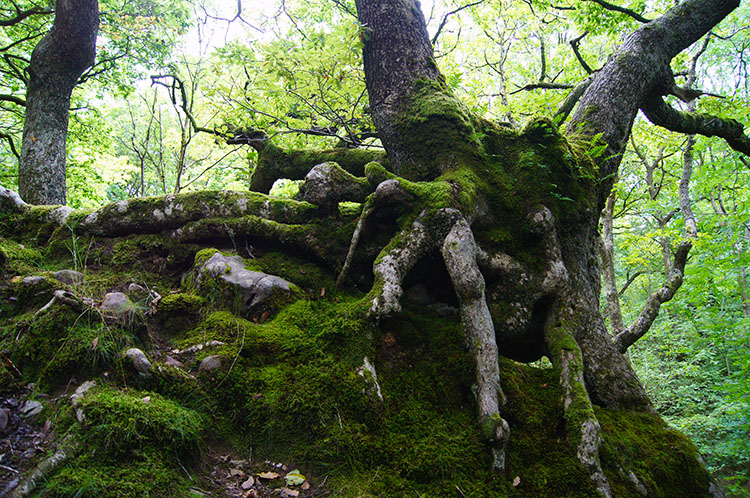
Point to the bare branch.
(622, 10)
(11, 144)
(23, 14)
(13, 98)
(572, 99)
(643, 323)
(574, 45)
(446, 16)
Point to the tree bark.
(57, 63)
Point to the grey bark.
(607, 253)
(638, 72)
(57, 63)
(397, 52)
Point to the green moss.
(17, 258)
(147, 473)
(179, 311)
(119, 422)
(663, 460)
(60, 343)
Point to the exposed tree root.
(45, 468)
(580, 422)
(459, 252)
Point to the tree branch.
(446, 16)
(11, 144)
(23, 14)
(13, 98)
(643, 323)
(622, 10)
(574, 45)
(662, 114)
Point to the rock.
(210, 363)
(226, 282)
(31, 409)
(172, 362)
(32, 280)
(417, 294)
(4, 418)
(139, 360)
(69, 277)
(117, 303)
(80, 391)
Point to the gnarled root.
(460, 252)
(394, 262)
(580, 421)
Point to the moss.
(662, 459)
(120, 422)
(178, 312)
(53, 346)
(148, 474)
(156, 252)
(275, 163)
(17, 258)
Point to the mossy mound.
(292, 387)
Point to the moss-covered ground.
(290, 388)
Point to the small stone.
(116, 302)
(32, 280)
(172, 362)
(80, 391)
(210, 363)
(31, 409)
(139, 360)
(249, 483)
(146, 399)
(3, 419)
(69, 277)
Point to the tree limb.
(646, 318)
(23, 14)
(622, 10)
(662, 114)
(446, 16)
(574, 45)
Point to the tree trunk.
(57, 63)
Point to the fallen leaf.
(95, 342)
(268, 475)
(146, 399)
(289, 492)
(294, 478)
(264, 316)
(323, 292)
(236, 472)
(516, 481)
(305, 486)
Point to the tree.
(57, 62)
(513, 214)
